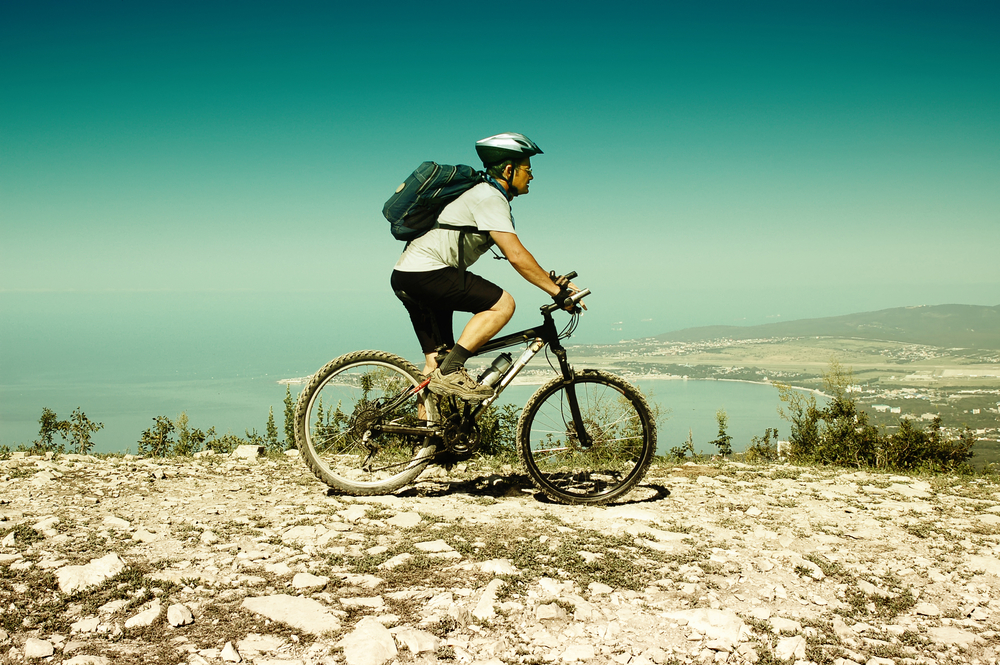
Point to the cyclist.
(431, 276)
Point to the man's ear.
(508, 171)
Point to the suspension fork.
(569, 383)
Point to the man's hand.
(567, 288)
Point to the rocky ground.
(229, 559)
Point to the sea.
(223, 359)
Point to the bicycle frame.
(537, 338)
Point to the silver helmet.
(509, 145)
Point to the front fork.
(579, 427)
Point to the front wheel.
(597, 468)
(339, 418)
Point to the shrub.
(841, 434)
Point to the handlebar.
(570, 301)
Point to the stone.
(303, 613)
(309, 582)
(577, 652)
(599, 589)
(785, 625)
(179, 615)
(146, 617)
(549, 612)
(248, 451)
(36, 648)
(112, 522)
(790, 648)
(395, 562)
(952, 636)
(230, 654)
(417, 641)
(87, 660)
(75, 578)
(404, 520)
(254, 643)
(485, 607)
(434, 546)
(927, 609)
(85, 625)
(988, 564)
(498, 567)
(370, 643)
(714, 624)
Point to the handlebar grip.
(570, 275)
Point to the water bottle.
(496, 370)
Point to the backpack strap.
(462, 231)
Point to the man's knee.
(505, 305)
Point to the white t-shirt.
(483, 207)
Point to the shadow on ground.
(499, 486)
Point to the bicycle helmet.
(509, 145)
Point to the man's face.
(522, 176)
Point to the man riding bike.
(431, 276)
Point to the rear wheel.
(598, 468)
(338, 420)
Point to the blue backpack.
(413, 210)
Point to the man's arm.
(523, 262)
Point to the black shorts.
(431, 298)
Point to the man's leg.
(479, 330)
(483, 326)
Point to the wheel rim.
(609, 466)
(339, 415)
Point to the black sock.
(455, 359)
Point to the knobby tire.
(337, 417)
(623, 432)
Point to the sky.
(705, 163)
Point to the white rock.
(417, 641)
(395, 561)
(577, 652)
(85, 625)
(116, 523)
(433, 546)
(484, 608)
(791, 648)
(36, 648)
(952, 636)
(145, 536)
(987, 564)
(927, 609)
(308, 581)
(260, 643)
(785, 625)
(714, 624)
(248, 452)
(498, 567)
(404, 520)
(370, 643)
(146, 617)
(74, 578)
(598, 589)
(230, 654)
(302, 613)
(179, 615)
(208, 537)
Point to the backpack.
(413, 209)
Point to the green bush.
(841, 434)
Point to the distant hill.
(949, 326)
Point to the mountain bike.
(367, 424)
